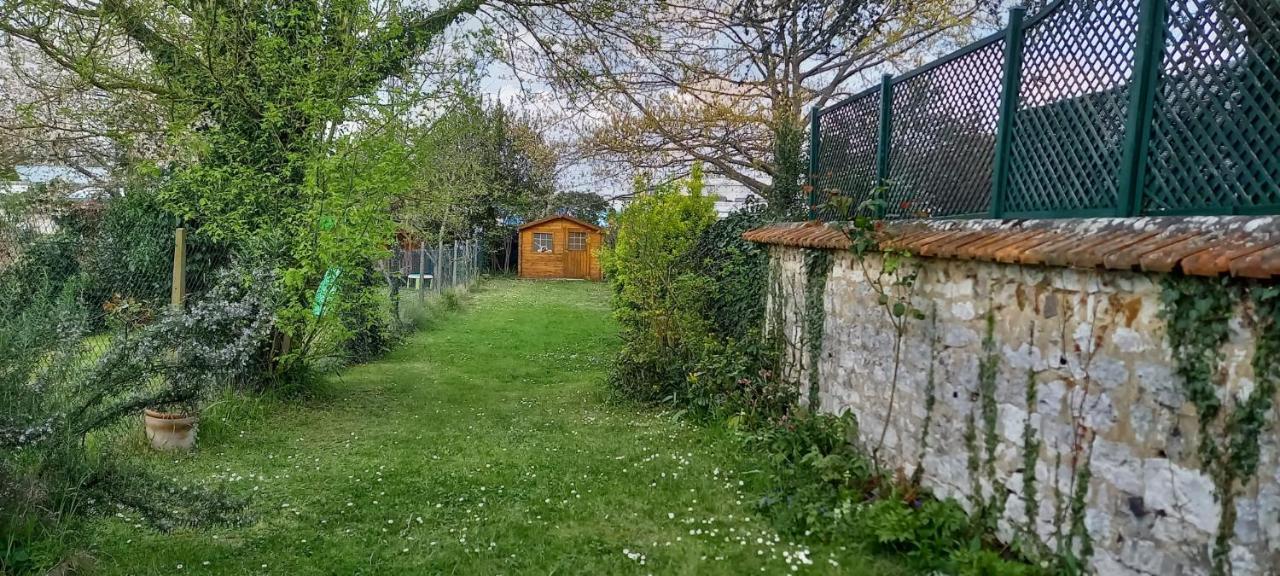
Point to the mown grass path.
(480, 446)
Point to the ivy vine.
(1074, 560)
(817, 268)
(1030, 455)
(930, 398)
(1198, 314)
(985, 463)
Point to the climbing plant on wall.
(1198, 313)
(891, 274)
(817, 268)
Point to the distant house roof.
(46, 173)
(80, 185)
(559, 217)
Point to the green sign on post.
(327, 285)
(331, 275)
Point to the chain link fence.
(418, 272)
(1086, 108)
(72, 266)
(426, 269)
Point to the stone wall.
(1091, 345)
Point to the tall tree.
(524, 169)
(259, 97)
(724, 82)
(258, 88)
(585, 206)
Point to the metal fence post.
(1010, 86)
(422, 266)
(1148, 59)
(815, 142)
(886, 129)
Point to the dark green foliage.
(738, 382)
(585, 206)
(736, 268)
(918, 529)
(1249, 420)
(785, 195)
(367, 318)
(131, 255)
(45, 257)
(813, 466)
(1197, 315)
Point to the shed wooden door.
(576, 263)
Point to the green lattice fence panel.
(1196, 130)
(944, 134)
(1068, 132)
(847, 155)
(1215, 136)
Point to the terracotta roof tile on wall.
(1245, 246)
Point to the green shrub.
(813, 469)
(819, 484)
(366, 317)
(658, 295)
(45, 266)
(738, 382)
(60, 386)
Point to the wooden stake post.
(179, 291)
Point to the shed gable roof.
(559, 217)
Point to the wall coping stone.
(1243, 246)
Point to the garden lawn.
(483, 445)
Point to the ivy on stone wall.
(1030, 455)
(817, 268)
(930, 397)
(1198, 314)
(1076, 548)
(982, 460)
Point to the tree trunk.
(506, 245)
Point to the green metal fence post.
(815, 142)
(1148, 59)
(1008, 110)
(886, 128)
(886, 137)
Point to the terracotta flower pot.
(168, 431)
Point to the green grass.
(481, 446)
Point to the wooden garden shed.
(560, 247)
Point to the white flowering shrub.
(59, 386)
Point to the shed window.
(542, 242)
(577, 241)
